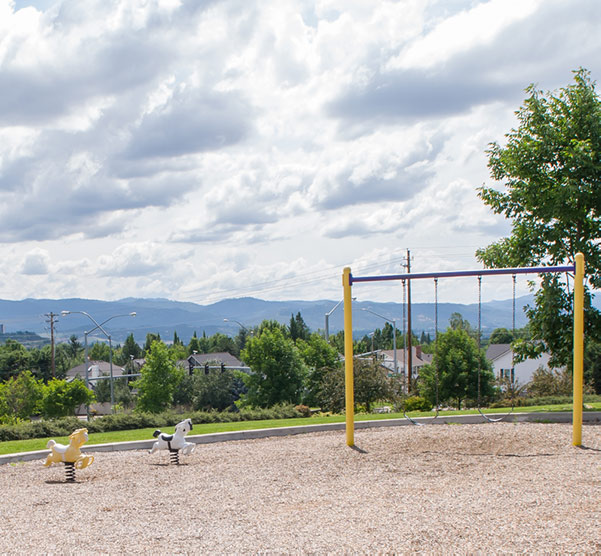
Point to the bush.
(304, 410)
(60, 398)
(544, 400)
(138, 420)
(417, 403)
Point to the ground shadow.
(169, 464)
(589, 448)
(357, 449)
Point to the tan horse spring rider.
(71, 453)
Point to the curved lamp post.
(239, 324)
(85, 334)
(393, 321)
(327, 315)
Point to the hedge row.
(547, 400)
(131, 421)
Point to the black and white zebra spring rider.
(175, 442)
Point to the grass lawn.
(15, 446)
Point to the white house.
(418, 359)
(96, 369)
(501, 357)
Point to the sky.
(199, 150)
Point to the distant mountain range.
(166, 317)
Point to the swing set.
(577, 268)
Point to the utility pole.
(51, 316)
(409, 356)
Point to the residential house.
(418, 360)
(202, 360)
(95, 369)
(501, 357)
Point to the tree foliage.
(62, 398)
(130, 347)
(21, 396)
(320, 357)
(14, 358)
(278, 371)
(158, 380)
(298, 329)
(216, 390)
(551, 171)
(454, 370)
(371, 384)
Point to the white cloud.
(465, 31)
(203, 149)
(36, 262)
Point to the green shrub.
(137, 420)
(416, 403)
(544, 400)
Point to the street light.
(327, 328)
(85, 334)
(393, 321)
(238, 323)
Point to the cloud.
(137, 259)
(192, 122)
(482, 68)
(36, 262)
(189, 149)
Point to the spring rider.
(70, 454)
(174, 442)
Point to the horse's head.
(184, 427)
(78, 437)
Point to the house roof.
(95, 368)
(494, 351)
(199, 359)
(418, 357)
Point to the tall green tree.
(298, 328)
(21, 396)
(371, 384)
(215, 390)
(550, 168)
(277, 369)
(74, 346)
(194, 345)
(14, 358)
(151, 338)
(220, 343)
(320, 357)
(158, 380)
(131, 347)
(99, 351)
(454, 371)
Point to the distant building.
(501, 357)
(96, 369)
(1, 329)
(199, 360)
(418, 359)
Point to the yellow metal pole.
(578, 350)
(348, 358)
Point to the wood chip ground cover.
(486, 488)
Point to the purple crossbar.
(483, 272)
